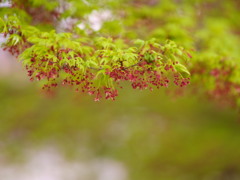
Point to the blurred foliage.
(155, 137)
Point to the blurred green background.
(154, 135)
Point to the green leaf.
(139, 42)
(3, 27)
(179, 52)
(34, 40)
(182, 70)
(15, 39)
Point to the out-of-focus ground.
(49, 164)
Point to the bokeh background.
(142, 135)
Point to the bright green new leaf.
(182, 70)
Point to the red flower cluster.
(223, 89)
(143, 75)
